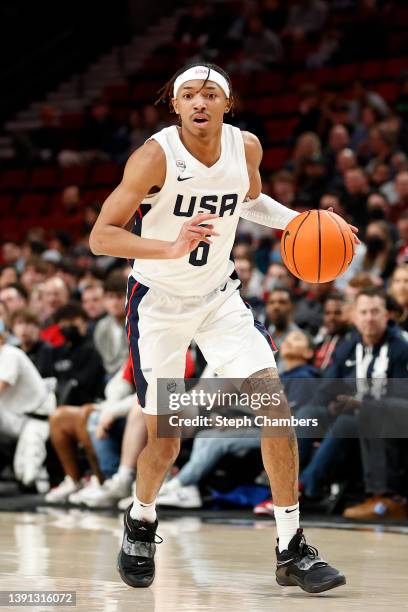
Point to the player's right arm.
(144, 171)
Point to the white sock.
(126, 473)
(287, 523)
(143, 512)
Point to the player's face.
(201, 108)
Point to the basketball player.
(183, 287)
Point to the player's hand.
(353, 228)
(191, 234)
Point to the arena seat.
(73, 175)
(6, 201)
(274, 158)
(72, 121)
(279, 130)
(31, 204)
(13, 180)
(106, 173)
(44, 178)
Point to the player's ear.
(175, 105)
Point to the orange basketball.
(317, 246)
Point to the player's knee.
(166, 449)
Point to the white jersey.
(190, 188)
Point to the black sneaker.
(136, 557)
(300, 565)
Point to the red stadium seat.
(72, 121)
(106, 173)
(393, 67)
(6, 201)
(274, 158)
(10, 229)
(13, 179)
(73, 175)
(31, 204)
(44, 178)
(387, 90)
(279, 130)
(370, 71)
(117, 93)
(95, 195)
(284, 105)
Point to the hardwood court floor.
(200, 566)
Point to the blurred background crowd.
(324, 85)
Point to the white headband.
(201, 72)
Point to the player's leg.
(238, 348)
(158, 344)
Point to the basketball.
(317, 246)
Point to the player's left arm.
(259, 207)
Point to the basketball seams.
(294, 243)
(344, 242)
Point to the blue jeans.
(207, 451)
(331, 454)
(108, 449)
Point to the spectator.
(283, 187)
(273, 14)
(76, 364)
(98, 130)
(335, 327)
(382, 145)
(399, 291)
(339, 139)
(109, 334)
(375, 351)
(14, 296)
(279, 317)
(380, 256)
(309, 110)
(12, 254)
(400, 205)
(24, 399)
(297, 352)
(54, 294)
(194, 27)
(93, 302)
(305, 17)
(355, 195)
(308, 146)
(332, 199)
(277, 276)
(309, 310)
(402, 256)
(362, 99)
(261, 47)
(69, 427)
(26, 328)
(8, 276)
(35, 271)
(251, 279)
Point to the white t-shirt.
(26, 391)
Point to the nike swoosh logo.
(224, 288)
(180, 178)
(289, 511)
(141, 562)
(348, 363)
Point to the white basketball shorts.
(160, 328)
